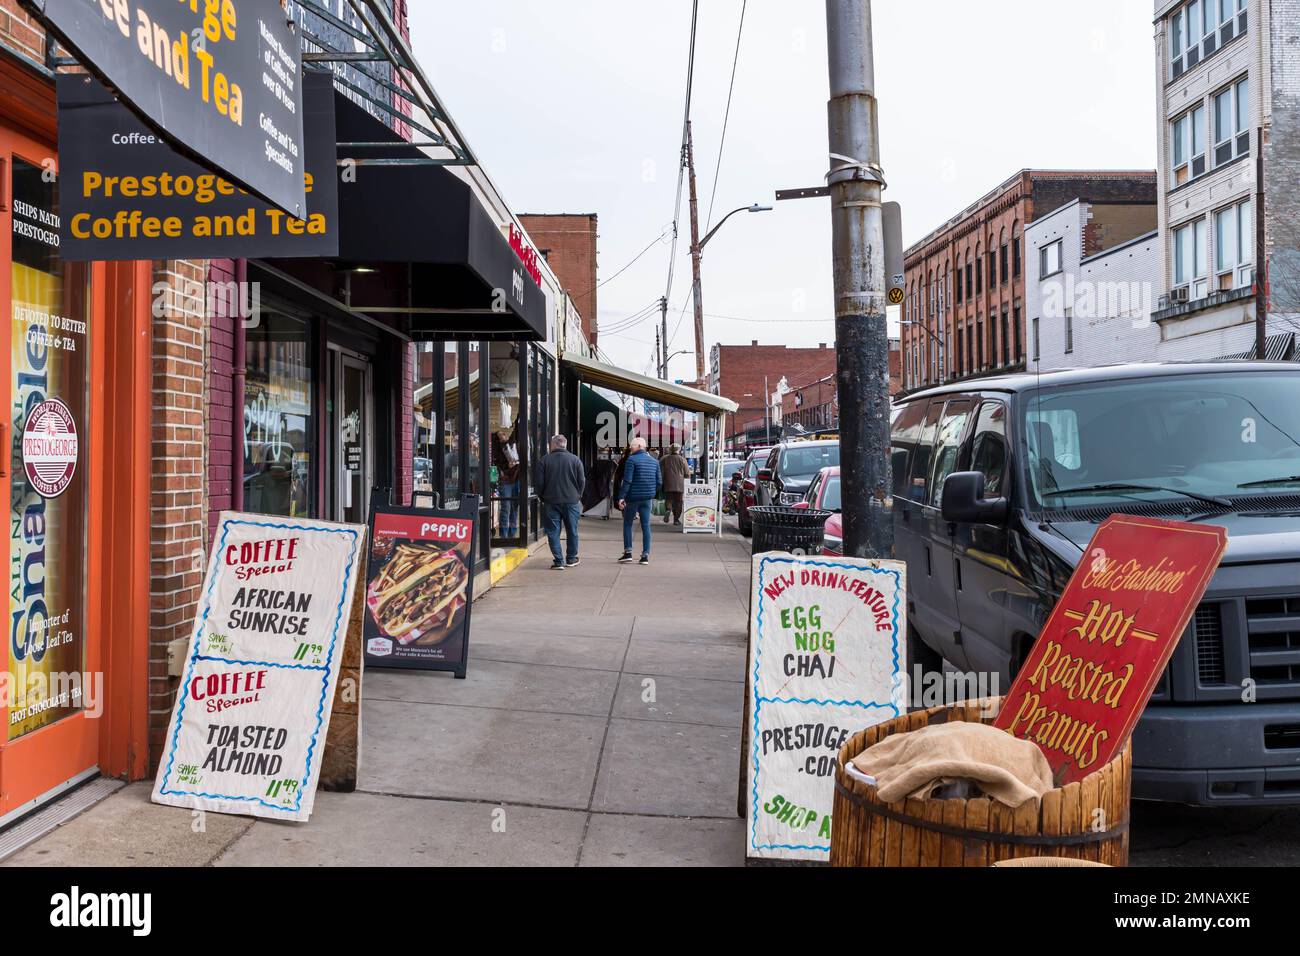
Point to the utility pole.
(695, 259)
(857, 249)
(767, 412)
(663, 336)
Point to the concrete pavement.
(598, 725)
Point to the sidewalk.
(599, 725)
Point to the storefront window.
(504, 433)
(451, 425)
(48, 412)
(278, 419)
(474, 478)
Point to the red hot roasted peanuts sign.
(1108, 639)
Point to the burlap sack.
(1006, 768)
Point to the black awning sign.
(128, 195)
(219, 79)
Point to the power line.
(620, 325)
(726, 115)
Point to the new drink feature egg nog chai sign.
(248, 728)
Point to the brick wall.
(740, 370)
(568, 243)
(177, 519)
(19, 32)
(219, 396)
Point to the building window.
(979, 343)
(993, 269)
(979, 275)
(1187, 145)
(970, 348)
(960, 365)
(1231, 118)
(1004, 262)
(1015, 257)
(1069, 331)
(1015, 325)
(1049, 259)
(1006, 337)
(279, 425)
(970, 279)
(1036, 342)
(1234, 235)
(959, 296)
(1189, 259)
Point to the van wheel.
(922, 661)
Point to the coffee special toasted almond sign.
(248, 728)
(1108, 639)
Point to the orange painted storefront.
(113, 514)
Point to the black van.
(999, 484)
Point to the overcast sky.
(576, 106)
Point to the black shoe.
(645, 559)
(574, 562)
(677, 524)
(557, 566)
(626, 559)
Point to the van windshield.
(805, 462)
(1217, 434)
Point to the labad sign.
(221, 79)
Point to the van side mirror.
(964, 502)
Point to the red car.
(824, 495)
(748, 496)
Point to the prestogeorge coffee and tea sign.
(248, 729)
(221, 79)
(826, 659)
(1108, 639)
(127, 194)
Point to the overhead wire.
(726, 115)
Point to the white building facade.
(1091, 278)
(1216, 65)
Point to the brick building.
(963, 314)
(749, 374)
(567, 241)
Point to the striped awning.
(1277, 348)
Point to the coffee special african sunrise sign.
(1108, 639)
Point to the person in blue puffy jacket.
(641, 483)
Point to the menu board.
(700, 508)
(248, 727)
(420, 585)
(827, 656)
(1094, 666)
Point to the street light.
(696, 250)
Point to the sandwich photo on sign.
(419, 583)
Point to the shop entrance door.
(51, 679)
(353, 416)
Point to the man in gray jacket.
(560, 479)
(676, 471)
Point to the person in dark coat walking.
(640, 486)
(676, 471)
(559, 480)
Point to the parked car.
(824, 495)
(790, 468)
(749, 488)
(999, 485)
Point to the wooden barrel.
(1087, 820)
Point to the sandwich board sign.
(1097, 660)
(247, 732)
(827, 655)
(419, 585)
(700, 508)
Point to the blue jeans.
(508, 495)
(631, 511)
(554, 515)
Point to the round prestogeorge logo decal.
(50, 448)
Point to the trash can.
(779, 528)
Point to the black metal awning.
(417, 248)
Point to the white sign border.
(227, 803)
